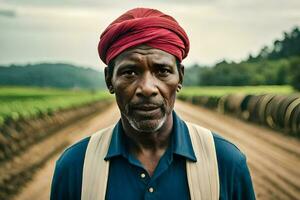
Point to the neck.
(149, 141)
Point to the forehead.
(144, 53)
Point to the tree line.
(56, 75)
(275, 65)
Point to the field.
(27, 145)
(24, 102)
(219, 91)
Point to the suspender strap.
(203, 176)
(95, 168)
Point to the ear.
(108, 77)
(181, 75)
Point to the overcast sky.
(68, 30)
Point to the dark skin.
(145, 81)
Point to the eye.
(164, 71)
(128, 73)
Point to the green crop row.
(218, 91)
(20, 102)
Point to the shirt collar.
(182, 144)
(181, 141)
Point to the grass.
(219, 91)
(27, 102)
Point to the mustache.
(145, 104)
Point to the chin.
(148, 125)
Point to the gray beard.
(147, 127)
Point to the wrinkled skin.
(145, 81)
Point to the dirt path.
(39, 187)
(274, 159)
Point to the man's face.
(145, 81)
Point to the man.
(150, 153)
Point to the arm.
(59, 186)
(67, 178)
(243, 188)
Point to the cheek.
(169, 93)
(123, 93)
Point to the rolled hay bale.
(195, 100)
(253, 107)
(265, 100)
(282, 109)
(221, 104)
(245, 113)
(189, 99)
(271, 110)
(245, 101)
(212, 102)
(292, 118)
(182, 97)
(203, 100)
(297, 124)
(233, 103)
(258, 107)
(200, 100)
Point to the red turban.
(143, 26)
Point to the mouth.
(147, 109)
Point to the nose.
(147, 86)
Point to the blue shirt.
(129, 180)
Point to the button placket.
(144, 177)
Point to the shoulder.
(235, 178)
(67, 177)
(73, 155)
(230, 158)
(227, 152)
(231, 161)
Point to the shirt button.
(143, 175)
(151, 189)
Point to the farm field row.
(25, 102)
(219, 91)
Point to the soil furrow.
(261, 154)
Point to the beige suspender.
(95, 168)
(203, 176)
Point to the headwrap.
(143, 26)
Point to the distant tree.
(251, 58)
(192, 75)
(295, 72)
(287, 47)
(264, 53)
(282, 75)
(52, 75)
